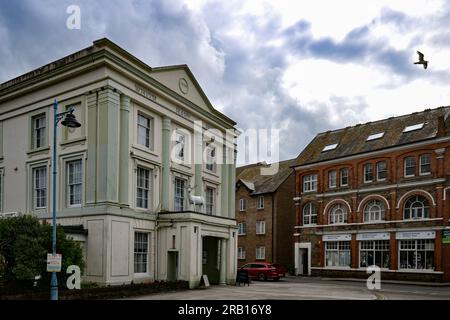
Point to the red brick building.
(265, 214)
(376, 194)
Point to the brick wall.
(354, 197)
(285, 220)
(251, 240)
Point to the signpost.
(446, 236)
(54, 262)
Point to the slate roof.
(352, 140)
(250, 175)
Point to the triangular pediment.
(181, 80)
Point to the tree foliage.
(24, 244)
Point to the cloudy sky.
(298, 66)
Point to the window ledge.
(145, 149)
(141, 275)
(181, 164)
(365, 269)
(425, 174)
(81, 140)
(418, 271)
(212, 173)
(38, 151)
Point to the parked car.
(280, 269)
(262, 271)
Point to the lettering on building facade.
(145, 92)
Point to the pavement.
(308, 288)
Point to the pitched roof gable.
(180, 79)
(251, 175)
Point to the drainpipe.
(273, 229)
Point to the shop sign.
(337, 237)
(415, 235)
(373, 236)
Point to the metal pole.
(54, 280)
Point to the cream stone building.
(141, 184)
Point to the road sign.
(54, 262)
(446, 236)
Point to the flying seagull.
(421, 60)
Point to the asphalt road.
(295, 288)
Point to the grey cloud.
(244, 80)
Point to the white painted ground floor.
(170, 246)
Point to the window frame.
(373, 203)
(180, 144)
(365, 172)
(43, 131)
(242, 229)
(212, 204)
(34, 197)
(261, 225)
(68, 184)
(147, 189)
(341, 247)
(421, 173)
(347, 170)
(405, 167)
(242, 205)
(2, 178)
(241, 253)
(409, 242)
(425, 214)
(211, 160)
(310, 214)
(259, 250)
(382, 246)
(310, 180)
(332, 173)
(148, 130)
(259, 202)
(379, 171)
(147, 253)
(332, 213)
(181, 199)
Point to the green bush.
(24, 244)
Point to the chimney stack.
(447, 121)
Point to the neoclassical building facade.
(376, 194)
(150, 143)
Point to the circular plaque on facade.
(183, 84)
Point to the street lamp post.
(70, 122)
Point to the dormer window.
(375, 136)
(330, 147)
(414, 127)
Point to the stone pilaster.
(166, 146)
(108, 144)
(124, 154)
(91, 161)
